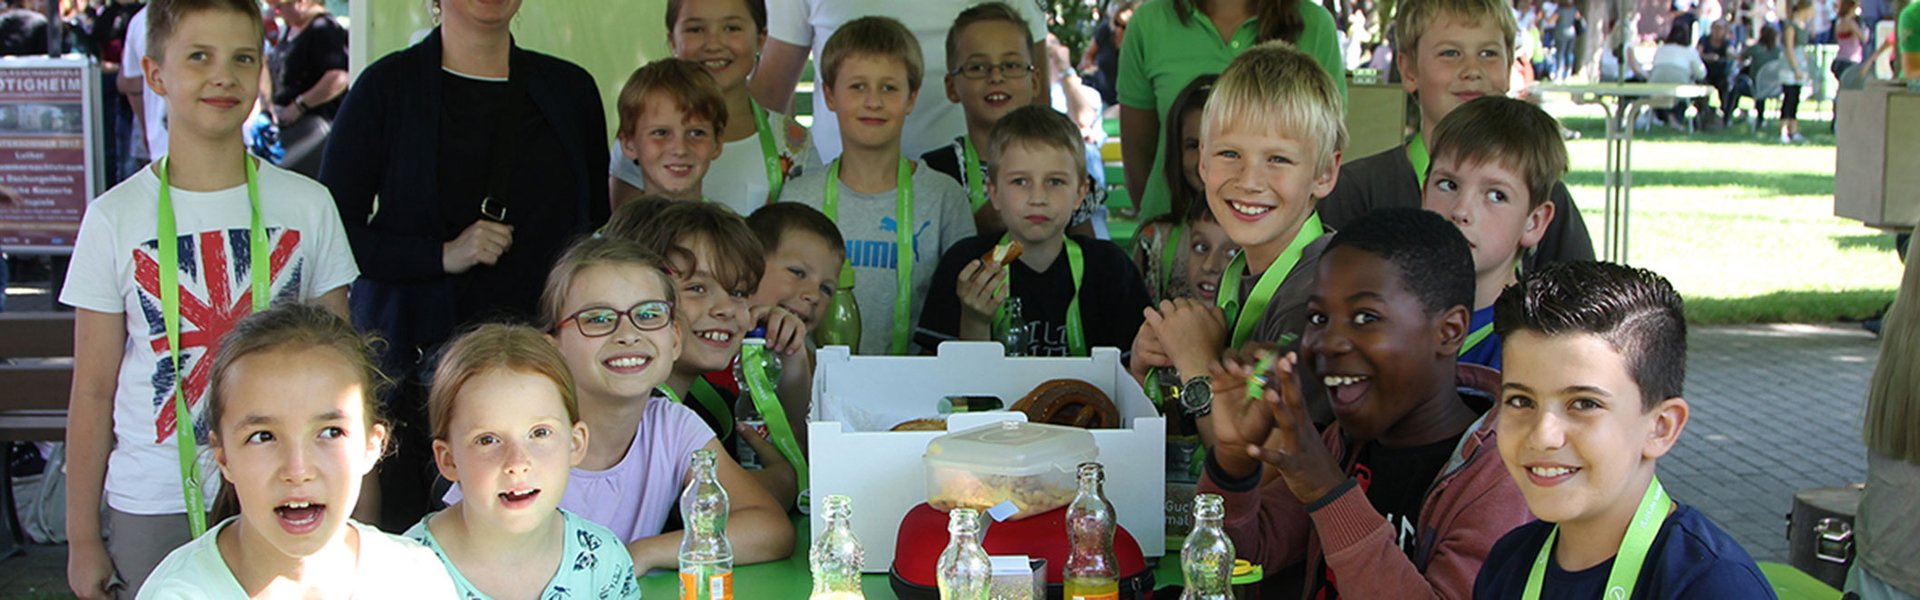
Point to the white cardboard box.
(856, 399)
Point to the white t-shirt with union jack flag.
(115, 269)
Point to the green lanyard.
(1169, 251)
(770, 151)
(1474, 338)
(1633, 548)
(1417, 154)
(261, 277)
(1076, 264)
(709, 399)
(903, 230)
(970, 172)
(761, 389)
(1243, 316)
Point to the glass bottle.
(746, 408)
(1010, 327)
(1206, 559)
(964, 573)
(1091, 572)
(837, 556)
(840, 324)
(706, 557)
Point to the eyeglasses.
(980, 70)
(601, 321)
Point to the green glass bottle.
(840, 325)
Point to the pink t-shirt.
(635, 496)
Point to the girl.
(1793, 36)
(295, 430)
(506, 426)
(1184, 252)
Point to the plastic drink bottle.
(840, 324)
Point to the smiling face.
(721, 36)
(1261, 183)
(629, 363)
(871, 97)
(294, 441)
(1036, 187)
(991, 44)
(1190, 150)
(1489, 203)
(209, 73)
(1372, 342)
(1208, 251)
(801, 275)
(715, 316)
(1572, 429)
(674, 148)
(509, 445)
(1457, 61)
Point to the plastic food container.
(1030, 465)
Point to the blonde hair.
(877, 36)
(592, 252)
(1892, 424)
(1275, 86)
(1413, 18)
(496, 347)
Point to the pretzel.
(1003, 254)
(1070, 402)
(922, 425)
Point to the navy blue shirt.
(1690, 558)
(1487, 352)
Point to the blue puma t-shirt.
(941, 216)
(1690, 558)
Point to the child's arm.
(335, 301)
(759, 530)
(1268, 524)
(98, 343)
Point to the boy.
(1450, 51)
(804, 253)
(671, 112)
(897, 217)
(989, 73)
(238, 233)
(1495, 163)
(1036, 178)
(1590, 403)
(1403, 494)
(1271, 137)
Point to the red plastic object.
(923, 535)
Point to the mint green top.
(594, 565)
(1180, 52)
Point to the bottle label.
(716, 587)
(749, 459)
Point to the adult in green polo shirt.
(1909, 34)
(1169, 42)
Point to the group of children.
(1367, 455)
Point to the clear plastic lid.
(1013, 448)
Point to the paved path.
(1776, 408)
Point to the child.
(1183, 252)
(506, 427)
(294, 430)
(610, 306)
(670, 113)
(716, 263)
(1271, 137)
(1404, 493)
(897, 218)
(237, 233)
(1451, 51)
(1591, 402)
(804, 253)
(1077, 292)
(1495, 163)
(989, 74)
(762, 147)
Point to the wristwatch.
(301, 103)
(1196, 396)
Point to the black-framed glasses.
(649, 315)
(981, 70)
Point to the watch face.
(1197, 395)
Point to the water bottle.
(840, 323)
(964, 572)
(1092, 572)
(837, 556)
(1206, 559)
(706, 557)
(746, 408)
(1010, 328)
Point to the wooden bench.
(35, 380)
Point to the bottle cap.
(757, 332)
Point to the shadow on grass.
(1789, 307)
(1871, 241)
(1739, 132)
(1769, 184)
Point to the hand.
(286, 115)
(1239, 424)
(1148, 352)
(481, 244)
(981, 289)
(1192, 332)
(89, 570)
(1294, 446)
(786, 333)
(770, 457)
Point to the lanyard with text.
(1242, 316)
(903, 230)
(1169, 251)
(971, 173)
(760, 391)
(1633, 548)
(770, 151)
(260, 274)
(1474, 338)
(1076, 264)
(1417, 154)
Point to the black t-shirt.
(1690, 558)
(1111, 304)
(951, 160)
(1396, 481)
(303, 60)
(22, 33)
(537, 183)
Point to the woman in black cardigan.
(485, 160)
